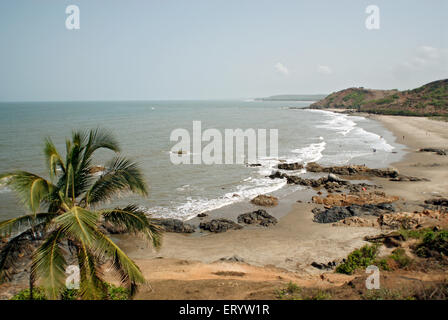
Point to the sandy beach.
(271, 257)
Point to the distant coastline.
(293, 97)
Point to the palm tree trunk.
(31, 286)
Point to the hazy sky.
(216, 49)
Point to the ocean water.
(183, 191)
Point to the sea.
(182, 191)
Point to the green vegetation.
(400, 257)
(385, 294)
(38, 294)
(113, 293)
(64, 214)
(430, 100)
(414, 233)
(359, 258)
(433, 242)
(357, 98)
(294, 292)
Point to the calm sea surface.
(183, 191)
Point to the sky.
(216, 49)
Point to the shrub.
(399, 256)
(359, 258)
(433, 241)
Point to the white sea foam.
(311, 153)
(339, 122)
(193, 206)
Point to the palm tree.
(65, 213)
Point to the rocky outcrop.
(408, 178)
(175, 225)
(113, 228)
(260, 217)
(219, 225)
(356, 222)
(335, 214)
(413, 220)
(265, 201)
(375, 197)
(327, 266)
(290, 166)
(234, 258)
(362, 171)
(439, 151)
(315, 183)
(331, 183)
(438, 202)
(353, 170)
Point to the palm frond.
(98, 139)
(53, 159)
(130, 274)
(30, 188)
(91, 286)
(121, 175)
(14, 225)
(80, 224)
(49, 264)
(10, 253)
(135, 221)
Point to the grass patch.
(294, 292)
(113, 293)
(385, 294)
(414, 233)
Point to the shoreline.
(285, 212)
(285, 251)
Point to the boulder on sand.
(336, 213)
(290, 166)
(175, 225)
(219, 225)
(260, 217)
(265, 201)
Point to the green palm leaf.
(31, 188)
(121, 175)
(54, 160)
(135, 221)
(49, 264)
(10, 226)
(91, 285)
(98, 139)
(80, 224)
(130, 274)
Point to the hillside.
(428, 100)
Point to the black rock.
(219, 225)
(338, 213)
(175, 225)
(257, 217)
(290, 166)
(438, 202)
